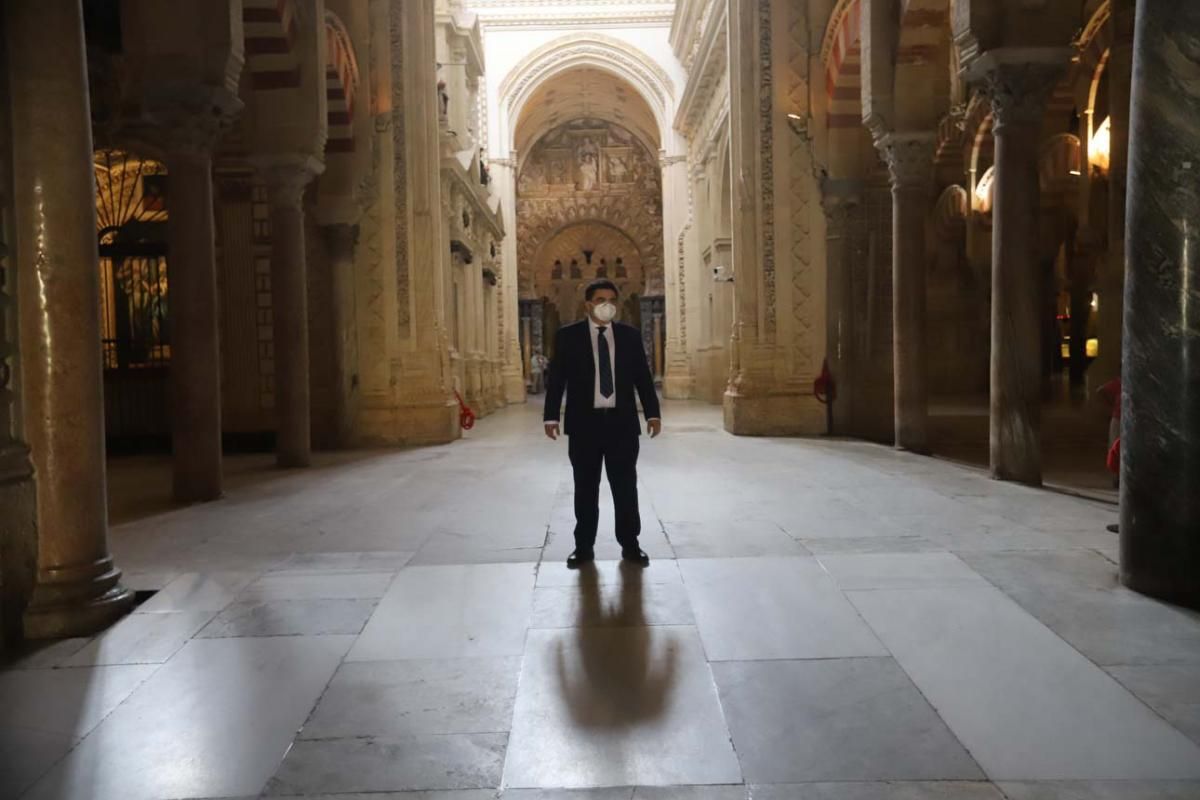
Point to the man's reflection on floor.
(625, 669)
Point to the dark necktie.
(606, 376)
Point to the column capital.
(1018, 82)
(190, 121)
(838, 197)
(287, 176)
(909, 157)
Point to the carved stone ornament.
(286, 178)
(191, 121)
(909, 157)
(1018, 91)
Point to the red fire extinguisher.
(825, 390)
(466, 417)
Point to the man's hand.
(552, 430)
(655, 427)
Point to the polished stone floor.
(823, 620)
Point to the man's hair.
(597, 285)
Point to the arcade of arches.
(937, 235)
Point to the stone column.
(1112, 274)
(909, 157)
(76, 588)
(1160, 413)
(286, 180)
(341, 239)
(838, 199)
(1019, 84)
(190, 132)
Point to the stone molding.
(287, 177)
(909, 158)
(191, 121)
(839, 197)
(1018, 82)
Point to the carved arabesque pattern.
(766, 152)
(399, 170)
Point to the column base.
(679, 387)
(75, 604)
(773, 415)
(513, 387)
(411, 425)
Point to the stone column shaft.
(341, 240)
(289, 312)
(910, 161)
(1019, 90)
(838, 198)
(76, 590)
(1160, 413)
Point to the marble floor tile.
(730, 537)
(451, 611)
(382, 561)
(26, 754)
(733, 792)
(796, 608)
(560, 543)
(307, 617)
(555, 573)
(213, 722)
(288, 586)
(871, 544)
(879, 790)
(1102, 790)
(602, 793)
(624, 605)
(393, 699)
(1025, 703)
(1049, 571)
(444, 794)
(412, 763)
(140, 639)
(617, 707)
(1173, 690)
(198, 592)
(858, 719)
(45, 654)
(899, 571)
(67, 701)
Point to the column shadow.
(620, 677)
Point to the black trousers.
(605, 444)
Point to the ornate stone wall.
(601, 182)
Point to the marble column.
(1112, 274)
(286, 181)
(909, 157)
(77, 589)
(341, 240)
(190, 133)
(839, 197)
(1019, 84)
(1160, 412)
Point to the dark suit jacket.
(573, 369)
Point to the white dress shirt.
(599, 400)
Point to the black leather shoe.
(578, 559)
(636, 556)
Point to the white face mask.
(604, 312)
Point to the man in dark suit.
(601, 364)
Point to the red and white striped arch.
(341, 80)
(270, 28)
(841, 53)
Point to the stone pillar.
(1112, 274)
(286, 181)
(679, 381)
(341, 239)
(1160, 413)
(1019, 83)
(838, 198)
(76, 588)
(909, 157)
(190, 133)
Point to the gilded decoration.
(589, 204)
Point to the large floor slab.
(450, 611)
(617, 707)
(214, 722)
(796, 609)
(1024, 702)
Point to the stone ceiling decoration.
(596, 180)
